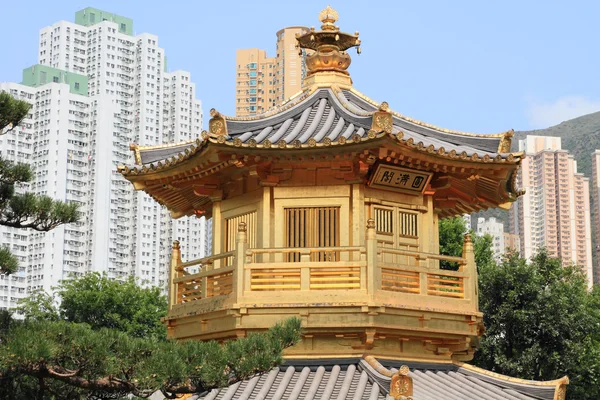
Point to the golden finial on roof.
(328, 17)
(329, 46)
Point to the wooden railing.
(411, 277)
(282, 274)
(213, 279)
(360, 273)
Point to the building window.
(76, 85)
(252, 82)
(313, 227)
(55, 79)
(122, 28)
(231, 228)
(384, 222)
(408, 224)
(252, 65)
(92, 17)
(252, 74)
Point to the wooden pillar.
(373, 271)
(217, 226)
(174, 272)
(471, 286)
(241, 245)
(266, 222)
(357, 215)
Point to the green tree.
(63, 360)
(24, 210)
(105, 340)
(452, 232)
(101, 302)
(541, 323)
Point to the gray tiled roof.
(327, 115)
(151, 155)
(321, 115)
(430, 135)
(358, 379)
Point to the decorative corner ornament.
(382, 120)
(506, 142)
(401, 387)
(217, 124)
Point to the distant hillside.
(581, 136)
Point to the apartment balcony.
(387, 293)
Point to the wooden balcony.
(249, 289)
(353, 273)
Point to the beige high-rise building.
(254, 82)
(290, 66)
(554, 212)
(596, 210)
(263, 82)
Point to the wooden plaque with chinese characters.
(390, 177)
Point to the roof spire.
(329, 62)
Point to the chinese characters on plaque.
(399, 179)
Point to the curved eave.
(398, 138)
(267, 147)
(173, 160)
(552, 383)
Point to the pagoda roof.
(322, 117)
(368, 378)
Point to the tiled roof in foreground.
(367, 379)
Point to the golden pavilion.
(327, 208)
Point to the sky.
(475, 66)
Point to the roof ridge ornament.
(401, 387)
(217, 125)
(329, 61)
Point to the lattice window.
(384, 220)
(408, 224)
(313, 227)
(232, 228)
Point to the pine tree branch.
(13, 112)
(40, 213)
(113, 363)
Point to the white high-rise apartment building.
(129, 98)
(554, 212)
(52, 139)
(495, 229)
(502, 242)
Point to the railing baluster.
(304, 271)
(373, 270)
(241, 245)
(471, 284)
(175, 272)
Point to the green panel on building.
(90, 16)
(39, 75)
